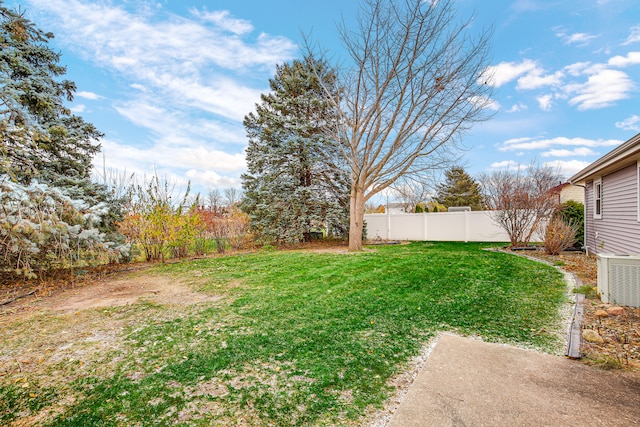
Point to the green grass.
(308, 338)
(587, 290)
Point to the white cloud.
(223, 19)
(485, 102)
(540, 144)
(88, 95)
(176, 127)
(535, 79)
(603, 86)
(578, 68)
(630, 123)
(201, 165)
(139, 87)
(199, 158)
(634, 35)
(507, 164)
(528, 74)
(77, 109)
(210, 179)
(602, 89)
(567, 168)
(180, 148)
(518, 140)
(580, 39)
(581, 151)
(505, 72)
(544, 101)
(527, 6)
(182, 60)
(632, 58)
(515, 108)
(189, 81)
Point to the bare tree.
(214, 199)
(232, 196)
(520, 200)
(417, 84)
(413, 190)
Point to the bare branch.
(521, 201)
(415, 87)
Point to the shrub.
(559, 235)
(230, 227)
(520, 201)
(186, 234)
(240, 236)
(42, 229)
(160, 226)
(572, 212)
(218, 229)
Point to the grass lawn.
(300, 338)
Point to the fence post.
(388, 225)
(466, 226)
(425, 226)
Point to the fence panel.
(474, 226)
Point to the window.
(597, 198)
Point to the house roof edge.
(624, 150)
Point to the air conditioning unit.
(619, 279)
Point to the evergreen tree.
(53, 215)
(459, 189)
(39, 137)
(295, 182)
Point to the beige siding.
(572, 192)
(619, 230)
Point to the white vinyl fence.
(474, 226)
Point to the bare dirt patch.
(117, 291)
(124, 291)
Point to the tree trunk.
(356, 218)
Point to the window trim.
(638, 188)
(597, 198)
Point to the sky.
(169, 82)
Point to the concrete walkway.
(466, 382)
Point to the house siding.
(572, 192)
(618, 231)
(589, 229)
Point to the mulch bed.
(621, 333)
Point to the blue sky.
(169, 81)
